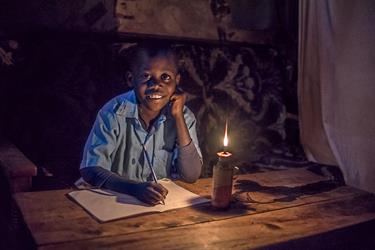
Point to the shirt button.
(133, 161)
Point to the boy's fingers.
(154, 193)
(161, 189)
(151, 199)
(177, 96)
(174, 97)
(148, 198)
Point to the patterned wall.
(242, 85)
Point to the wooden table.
(268, 209)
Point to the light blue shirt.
(115, 141)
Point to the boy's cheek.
(140, 89)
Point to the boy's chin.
(155, 106)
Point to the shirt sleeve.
(189, 159)
(103, 178)
(102, 141)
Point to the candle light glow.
(225, 153)
(225, 141)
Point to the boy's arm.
(102, 140)
(96, 162)
(148, 192)
(189, 161)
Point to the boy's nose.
(152, 82)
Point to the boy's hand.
(151, 193)
(178, 101)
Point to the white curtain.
(336, 86)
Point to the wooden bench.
(18, 167)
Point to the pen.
(151, 168)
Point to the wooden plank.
(52, 218)
(17, 165)
(245, 232)
(21, 184)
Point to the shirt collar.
(129, 108)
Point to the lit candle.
(225, 140)
(225, 154)
(222, 176)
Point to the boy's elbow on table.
(191, 177)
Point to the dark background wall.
(60, 64)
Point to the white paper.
(106, 205)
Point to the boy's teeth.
(155, 96)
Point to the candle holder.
(222, 181)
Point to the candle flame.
(225, 141)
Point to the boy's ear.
(129, 78)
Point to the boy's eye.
(165, 77)
(146, 76)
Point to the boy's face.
(154, 81)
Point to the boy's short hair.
(152, 49)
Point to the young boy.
(148, 126)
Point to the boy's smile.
(154, 80)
